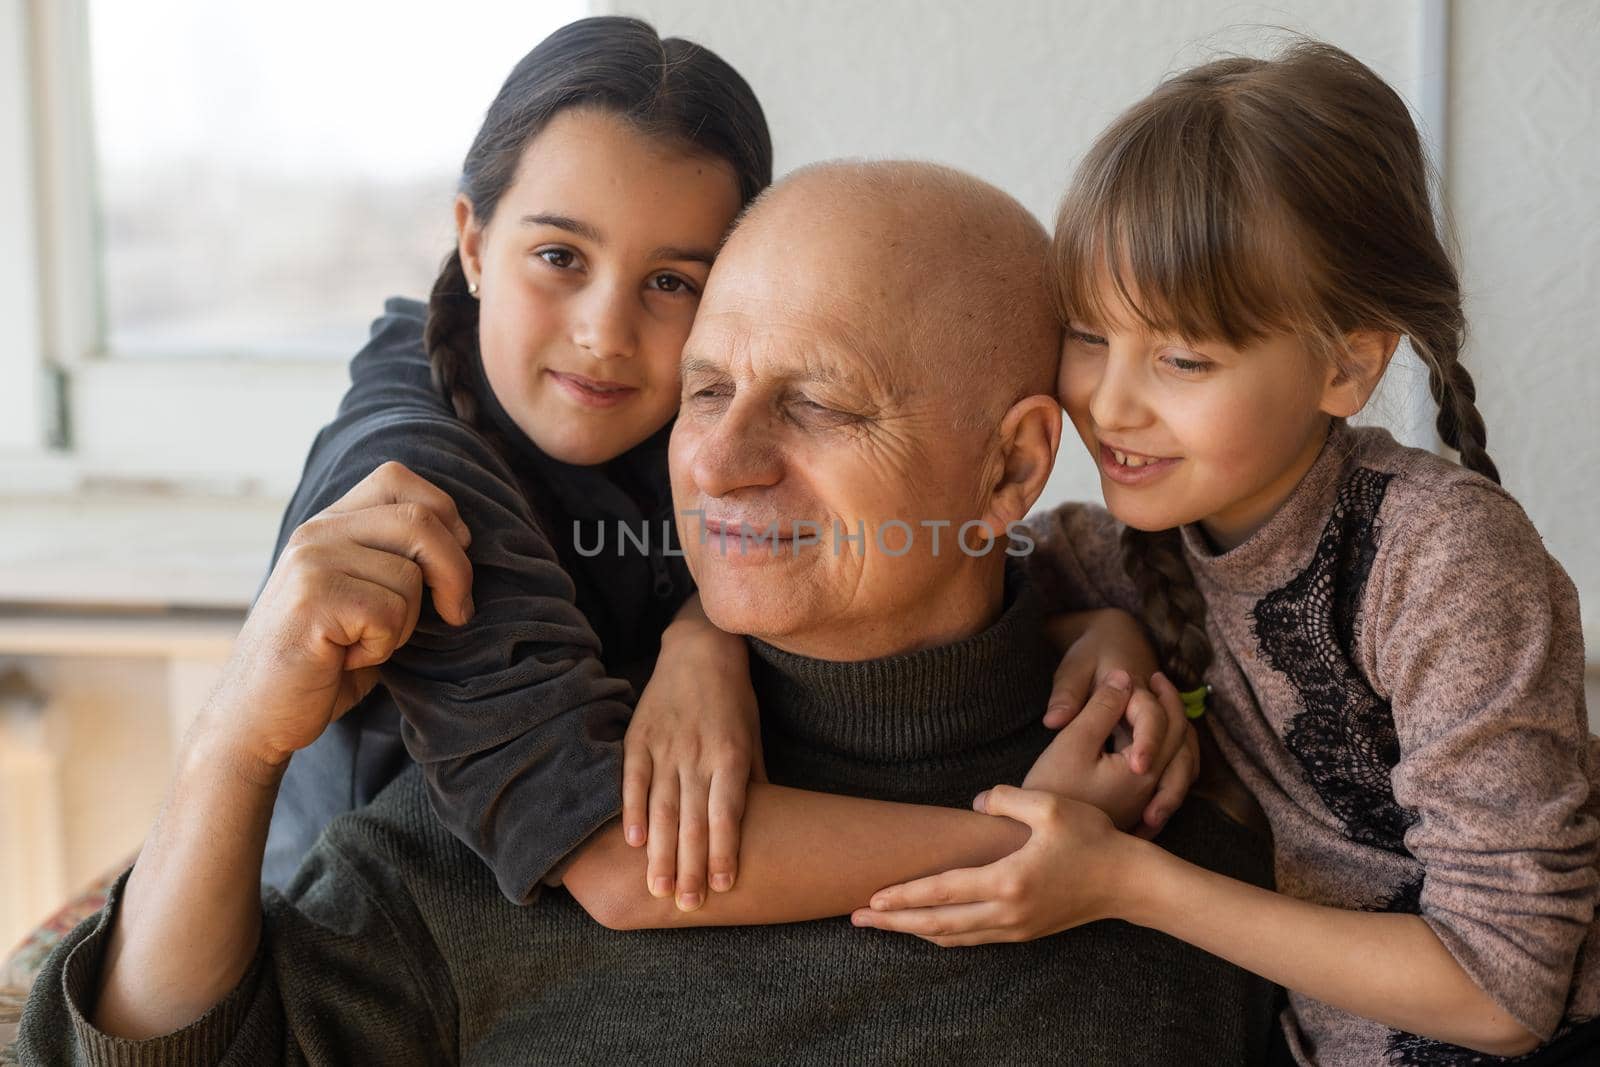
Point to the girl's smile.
(593, 392)
(1133, 468)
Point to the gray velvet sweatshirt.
(1399, 682)
(517, 717)
(393, 946)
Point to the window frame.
(72, 414)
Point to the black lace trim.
(1345, 738)
(1409, 1050)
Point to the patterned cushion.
(22, 966)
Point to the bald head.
(874, 358)
(945, 274)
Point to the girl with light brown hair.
(1394, 663)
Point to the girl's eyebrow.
(590, 232)
(690, 255)
(565, 222)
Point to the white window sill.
(123, 551)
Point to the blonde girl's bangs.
(1170, 225)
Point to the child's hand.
(1070, 872)
(1078, 765)
(691, 750)
(1164, 744)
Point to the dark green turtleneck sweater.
(393, 946)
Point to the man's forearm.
(802, 855)
(190, 917)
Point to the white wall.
(1015, 92)
(1524, 181)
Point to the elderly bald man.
(875, 346)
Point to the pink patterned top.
(1399, 682)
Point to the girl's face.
(588, 278)
(1196, 433)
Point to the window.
(219, 199)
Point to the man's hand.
(344, 594)
(691, 751)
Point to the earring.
(472, 288)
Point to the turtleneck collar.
(934, 704)
(1283, 545)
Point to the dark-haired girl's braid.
(1174, 611)
(1460, 424)
(451, 340)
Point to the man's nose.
(605, 322)
(738, 452)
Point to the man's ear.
(1351, 383)
(1030, 433)
(469, 240)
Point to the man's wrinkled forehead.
(842, 341)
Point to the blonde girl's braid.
(1172, 608)
(1460, 424)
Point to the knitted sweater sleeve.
(1476, 642)
(346, 972)
(513, 717)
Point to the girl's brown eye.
(556, 257)
(671, 283)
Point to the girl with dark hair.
(1395, 662)
(537, 388)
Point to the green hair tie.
(1194, 701)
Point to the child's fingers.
(726, 811)
(636, 770)
(661, 839)
(693, 800)
(1031, 807)
(945, 921)
(1105, 709)
(1178, 728)
(963, 885)
(1175, 782)
(1150, 726)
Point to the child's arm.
(694, 745)
(1475, 642)
(1477, 647)
(692, 749)
(1077, 868)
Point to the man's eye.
(822, 413)
(557, 257)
